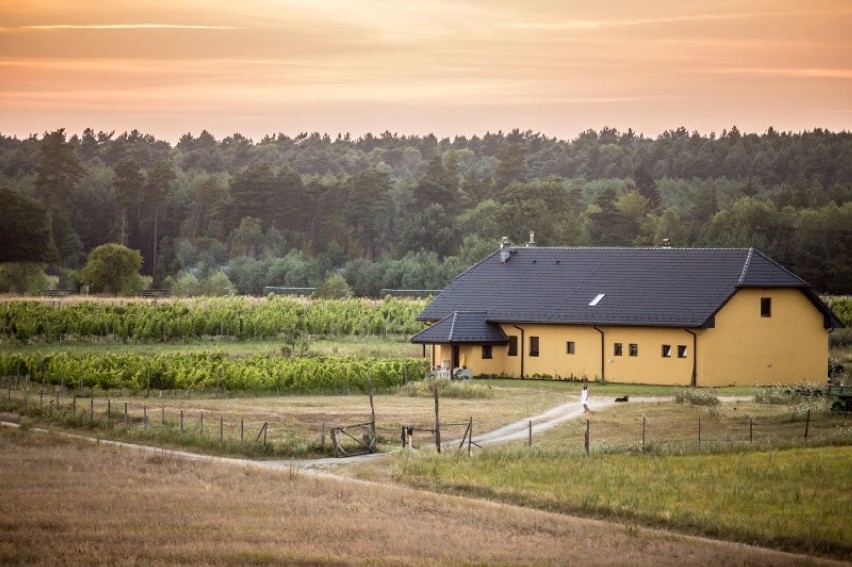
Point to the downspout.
(694, 380)
(522, 349)
(603, 355)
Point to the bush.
(697, 397)
(788, 394)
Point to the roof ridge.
(744, 271)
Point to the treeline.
(389, 211)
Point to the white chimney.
(531, 243)
(504, 250)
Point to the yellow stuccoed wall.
(745, 348)
(742, 349)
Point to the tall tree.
(128, 185)
(25, 234)
(367, 207)
(57, 171)
(511, 165)
(157, 188)
(646, 186)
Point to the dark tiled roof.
(462, 327)
(681, 287)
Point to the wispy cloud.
(118, 27)
(805, 72)
(581, 24)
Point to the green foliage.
(211, 371)
(113, 268)
(334, 287)
(185, 320)
(25, 229)
(23, 278)
(369, 204)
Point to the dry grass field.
(67, 502)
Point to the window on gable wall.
(570, 347)
(681, 351)
(766, 307)
(486, 351)
(616, 351)
(634, 349)
(667, 351)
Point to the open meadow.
(67, 501)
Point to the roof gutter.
(694, 379)
(522, 349)
(603, 355)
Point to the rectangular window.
(681, 351)
(513, 345)
(617, 350)
(569, 347)
(634, 349)
(667, 351)
(766, 307)
(533, 346)
(486, 351)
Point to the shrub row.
(184, 320)
(205, 372)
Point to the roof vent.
(505, 254)
(597, 299)
(666, 243)
(531, 243)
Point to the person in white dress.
(584, 398)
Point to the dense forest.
(234, 215)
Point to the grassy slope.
(68, 502)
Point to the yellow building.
(678, 316)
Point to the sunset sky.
(450, 67)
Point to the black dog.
(622, 399)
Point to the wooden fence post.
(92, 409)
(126, 416)
(221, 428)
(145, 416)
(643, 433)
(74, 404)
(181, 421)
(529, 441)
(586, 438)
(162, 417)
(322, 435)
(242, 424)
(437, 421)
(750, 430)
(807, 423)
(699, 432)
(109, 413)
(202, 423)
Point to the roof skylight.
(597, 299)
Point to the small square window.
(667, 351)
(617, 349)
(681, 351)
(486, 351)
(570, 347)
(533, 346)
(513, 345)
(766, 307)
(634, 349)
